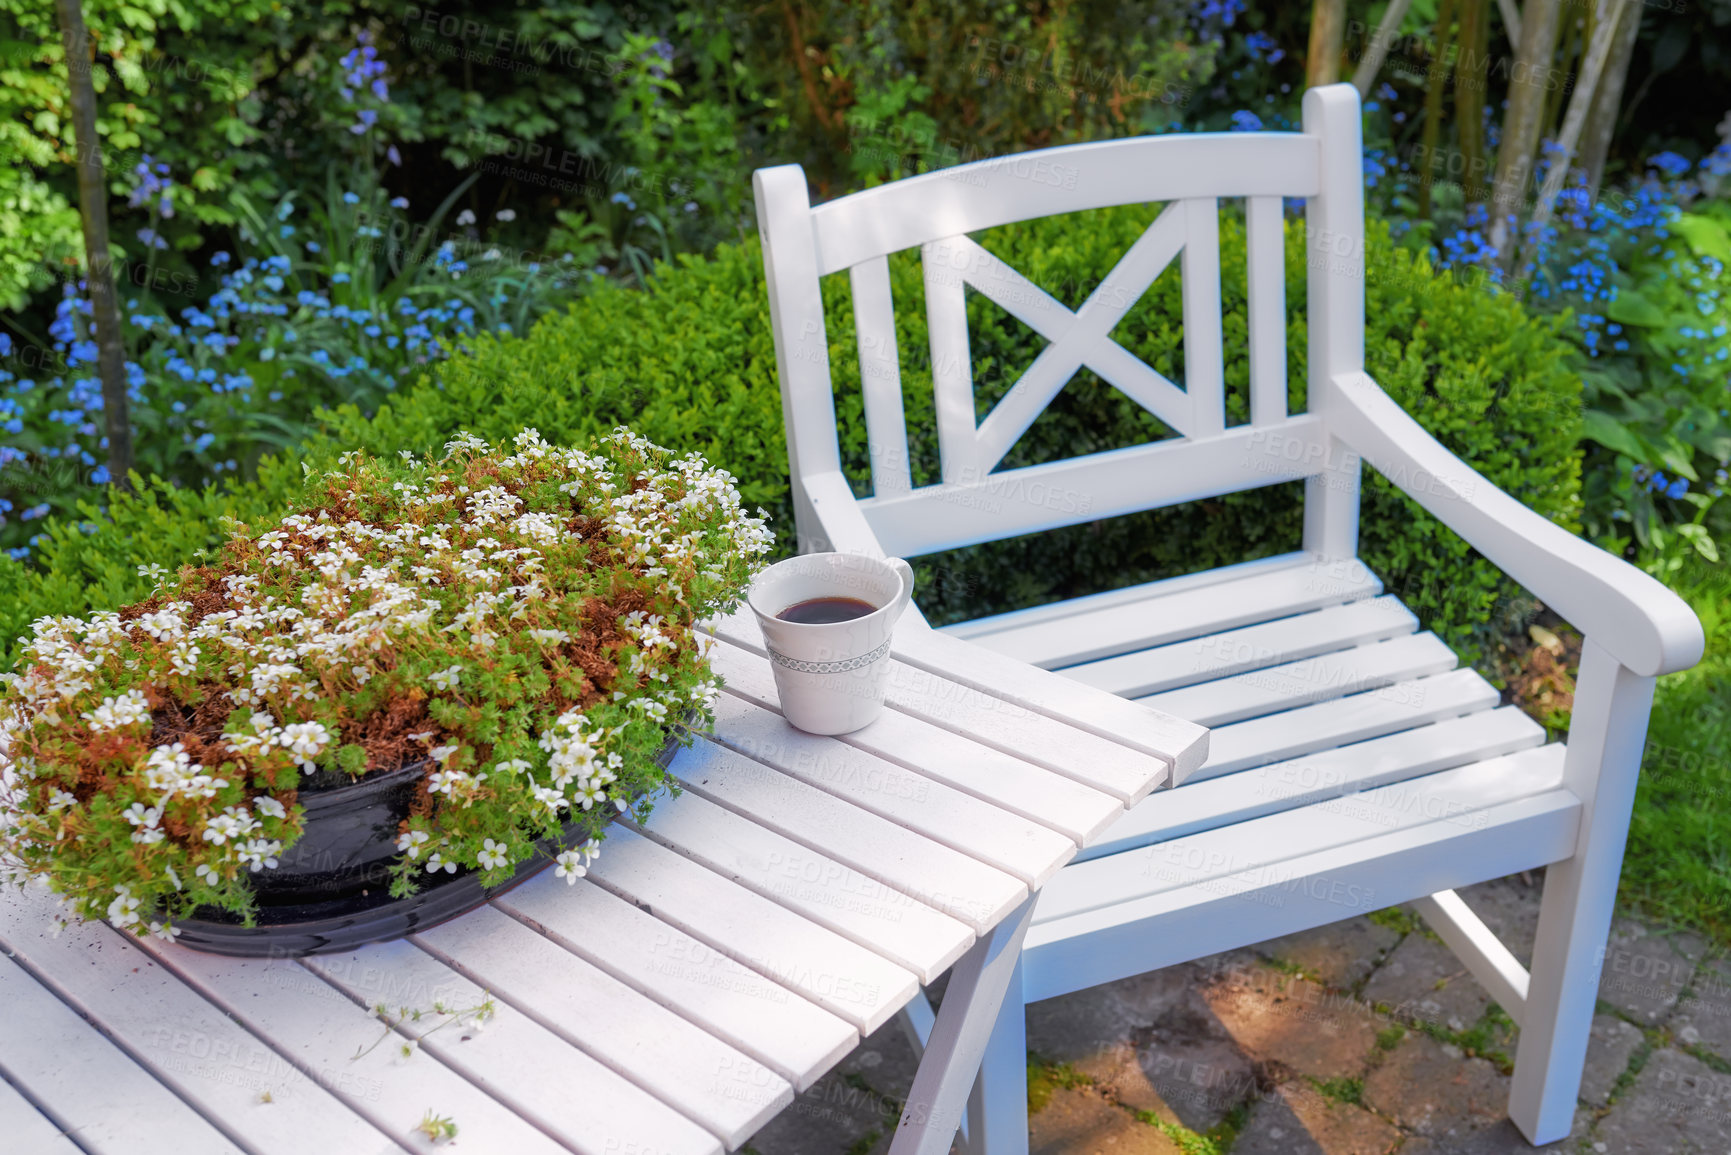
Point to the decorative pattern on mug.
(840, 667)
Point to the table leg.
(959, 1038)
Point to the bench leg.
(966, 1023)
(1606, 734)
(997, 1121)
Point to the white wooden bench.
(1354, 765)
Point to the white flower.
(168, 933)
(589, 792)
(140, 815)
(410, 842)
(305, 740)
(466, 218)
(129, 709)
(267, 805)
(569, 868)
(259, 852)
(207, 873)
(61, 800)
(493, 854)
(122, 911)
(447, 678)
(437, 862)
(506, 214)
(550, 798)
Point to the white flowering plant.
(517, 618)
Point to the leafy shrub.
(690, 362)
(520, 619)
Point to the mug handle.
(906, 573)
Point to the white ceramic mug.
(831, 676)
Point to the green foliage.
(690, 363)
(1678, 864)
(1657, 417)
(866, 92)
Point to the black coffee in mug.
(826, 611)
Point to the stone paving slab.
(1298, 1120)
(1348, 1039)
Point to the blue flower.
(1246, 121)
(1670, 164)
(350, 198)
(1264, 47)
(399, 202)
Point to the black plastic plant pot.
(330, 891)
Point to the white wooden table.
(713, 965)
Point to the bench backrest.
(934, 212)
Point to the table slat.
(1009, 783)
(1102, 763)
(217, 1066)
(796, 1038)
(326, 1034)
(852, 982)
(877, 916)
(29, 1130)
(910, 863)
(744, 721)
(520, 1062)
(728, 1092)
(117, 1106)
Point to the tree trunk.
(1472, 74)
(1602, 117)
(1377, 50)
(1327, 38)
(1436, 83)
(99, 266)
(1522, 123)
(1585, 94)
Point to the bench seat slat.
(1340, 722)
(1257, 846)
(1301, 683)
(1222, 655)
(541, 1076)
(61, 1059)
(1088, 633)
(947, 880)
(793, 1037)
(850, 981)
(725, 1090)
(1324, 886)
(1298, 782)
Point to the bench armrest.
(1641, 623)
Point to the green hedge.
(691, 365)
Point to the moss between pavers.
(1047, 1078)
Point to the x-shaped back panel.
(971, 449)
